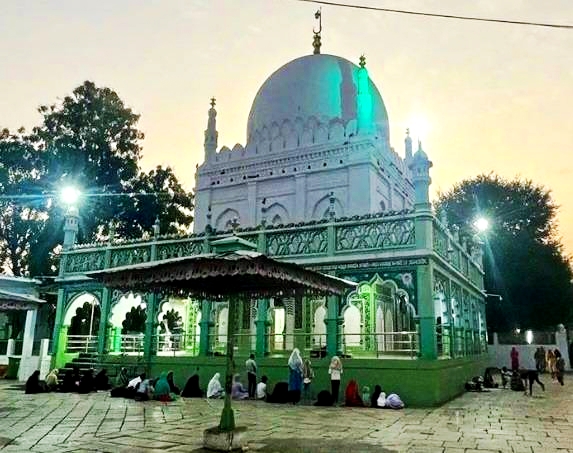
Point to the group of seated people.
(377, 399)
(73, 381)
(142, 388)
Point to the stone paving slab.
(498, 421)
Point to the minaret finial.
(362, 61)
(213, 102)
(211, 133)
(316, 42)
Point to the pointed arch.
(321, 208)
(277, 214)
(226, 218)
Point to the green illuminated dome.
(322, 86)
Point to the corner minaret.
(420, 167)
(408, 147)
(211, 133)
(364, 100)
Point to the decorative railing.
(376, 235)
(81, 343)
(382, 344)
(298, 242)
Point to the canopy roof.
(17, 301)
(221, 275)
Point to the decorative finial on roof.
(316, 42)
(213, 102)
(407, 132)
(362, 61)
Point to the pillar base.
(216, 440)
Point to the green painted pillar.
(227, 416)
(261, 325)
(149, 345)
(116, 339)
(60, 355)
(427, 317)
(58, 324)
(333, 323)
(104, 315)
(205, 323)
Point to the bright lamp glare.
(529, 337)
(482, 224)
(70, 195)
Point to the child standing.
(335, 371)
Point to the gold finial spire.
(316, 43)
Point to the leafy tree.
(89, 140)
(82, 320)
(524, 261)
(134, 320)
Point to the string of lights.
(443, 16)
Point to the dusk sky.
(492, 97)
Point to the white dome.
(321, 86)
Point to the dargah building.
(317, 183)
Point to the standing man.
(251, 366)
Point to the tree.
(22, 204)
(524, 260)
(90, 140)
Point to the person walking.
(559, 366)
(551, 363)
(514, 355)
(335, 371)
(251, 366)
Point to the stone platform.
(499, 421)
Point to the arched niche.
(319, 327)
(321, 209)
(124, 306)
(352, 325)
(79, 302)
(226, 219)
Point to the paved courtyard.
(499, 421)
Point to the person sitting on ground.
(52, 380)
(121, 382)
(488, 381)
(69, 382)
(162, 389)
(214, 388)
(516, 384)
(505, 376)
(531, 376)
(133, 385)
(280, 394)
(378, 396)
(393, 401)
(352, 395)
(87, 383)
(172, 387)
(238, 392)
(324, 398)
(101, 380)
(33, 384)
(144, 390)
(262, 388)
(192, 389)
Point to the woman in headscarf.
(296, 371)
(174, 389)
(238, 392)
(192, 389)
(335, 371)
(33, 383)
(52, 380)
(121, 382)
(101, 380)
(215, 389)
(374, 397)
(352, 395)
(162, 389)
(307, 377)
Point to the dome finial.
(316, 42)
(362, 61)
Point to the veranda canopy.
(239, 273)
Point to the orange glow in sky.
(489, 97)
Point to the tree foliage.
(524, 260)
(89, 140)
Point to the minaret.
(408, 147)
(364, 100)
(71, 227)
(420, 167)
(211, 133)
